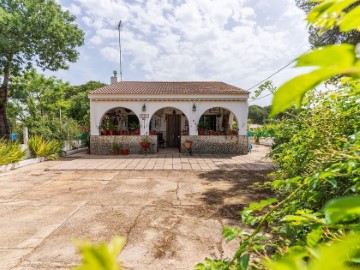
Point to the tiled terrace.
(169, 160)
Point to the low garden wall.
(103, 145)
(222, 144)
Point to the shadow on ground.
(237, 193)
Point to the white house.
(171, 111)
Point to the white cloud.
(236, 41)
(96, 40)
(73, 9)
(110, 54)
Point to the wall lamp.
(144, 108)
(194, 107)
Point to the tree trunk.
(4, 123)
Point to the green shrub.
(102, 256)
(39, 147)
(10, 152)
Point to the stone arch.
(120, 117)
(169, 122)
(218, 118)
(175, 106)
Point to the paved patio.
(169, 160)
(172, 218)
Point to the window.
(209, 121)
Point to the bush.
(39, 147)
(10, 152)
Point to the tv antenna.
(119, 28)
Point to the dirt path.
(172, 219)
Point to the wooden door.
(173, 129)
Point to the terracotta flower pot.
(124, 151)
(128, 132)
(115, 152)
(111, 132)
(211, 132)
(187, 145)
(136, 132)
(145, 145)
(121, 132)
(201, 132)
(152, 132)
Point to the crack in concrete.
(135, 222)
(23, 258)
(177, 192)
(219, 243)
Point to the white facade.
(191, 107)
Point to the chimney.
(113, 79)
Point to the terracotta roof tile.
(170, 88)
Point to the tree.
(320, 37)
(258, 114)
(38, 103)
(34, 32)
(79, 107)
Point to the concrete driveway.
(172, 218)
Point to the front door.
(173, 130)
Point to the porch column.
(94, 129)
(242, 116)
(144, 126)
(193, 124)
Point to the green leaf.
(317, 11)
(293, 91)
(102, 256)
(337, 254)
(314, 237)
(244, 261)
(351, 20)
(339, 209)
(262, 204)
(335, 56)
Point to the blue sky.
(239, 42)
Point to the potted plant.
(145, 144)
(116, 149)
(124, 150)
(121, 132)
(201, 127)
(128, 132)
(188, 144)
(153, 132)
(105, 128)
(111, 129)
(219, 132)
(211, 132)
(135, 126)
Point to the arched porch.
(119, 121)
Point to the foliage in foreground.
(10, 152)
(102, 256)
(39, 147)
(314, 221)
